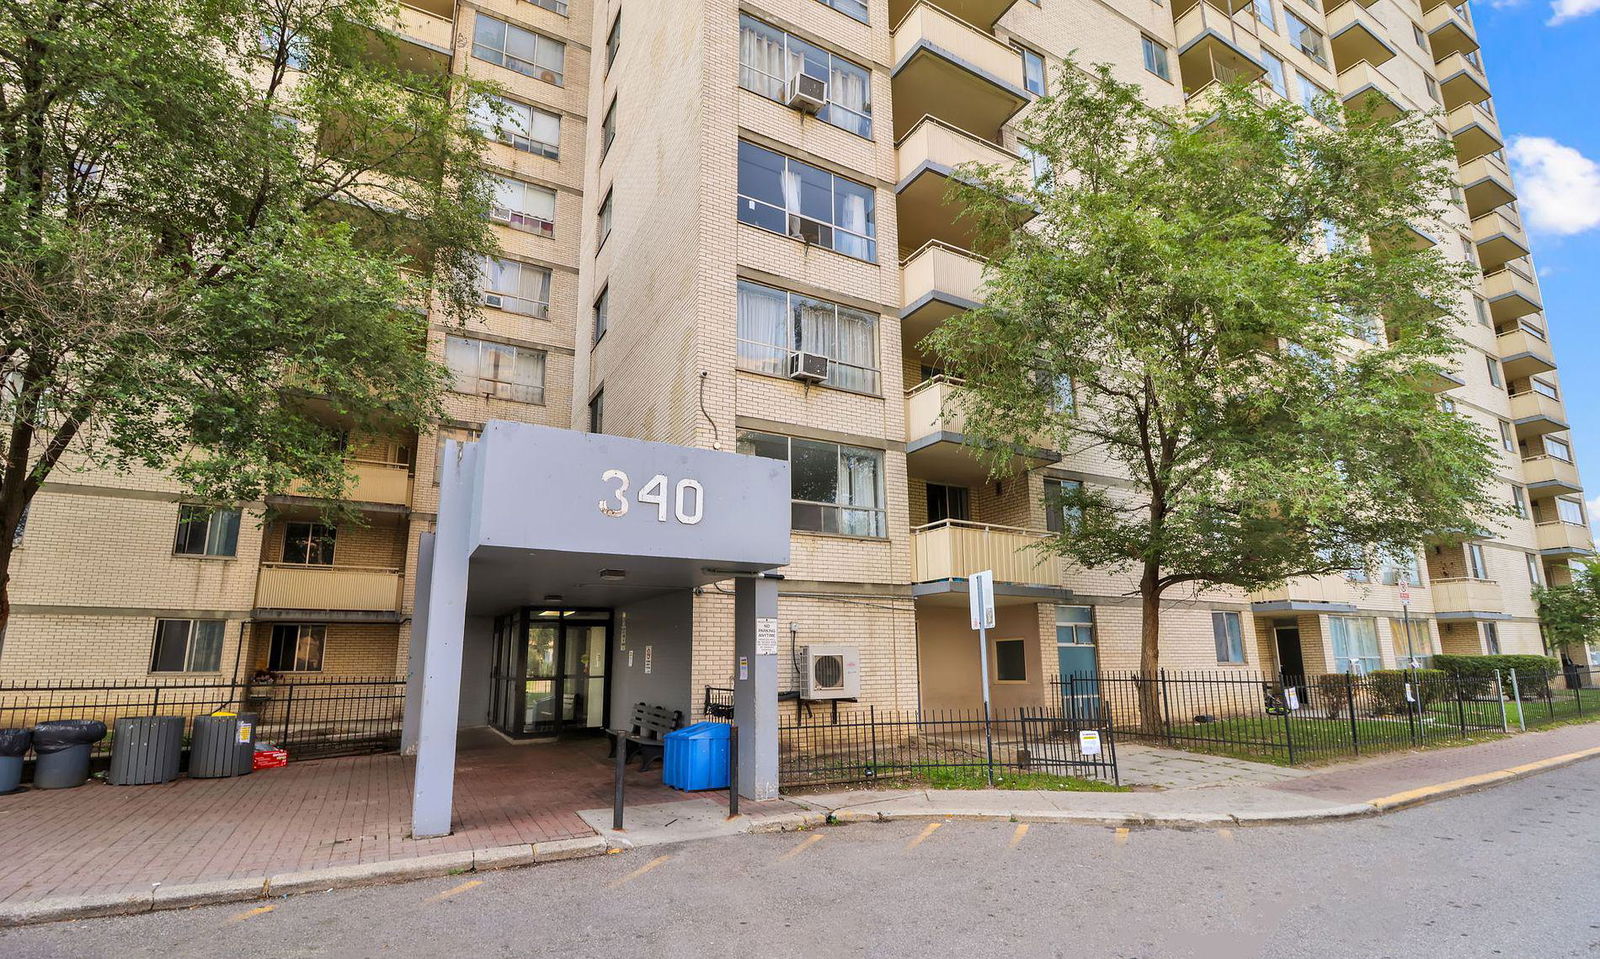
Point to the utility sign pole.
(1405, 611)
(980, 595)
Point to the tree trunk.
(1151, 715)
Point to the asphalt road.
(1513, 871)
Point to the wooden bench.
(644, 738)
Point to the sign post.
(980, 596)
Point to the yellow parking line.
(458, 890)
(924, 834)
(1016, 837)
(802, 846)
(252, 913)
(1121, 836)
(1225, 834)
(640, 871)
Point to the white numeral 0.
(684, 516)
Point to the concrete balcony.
(1548, 476)
(928, 157)
(1524, 354)
(1535, 414)
(288, 586)
(1461, 81)
(1487, 185)
(1558, 538)
(955, 550)
(1500, 238)
(945, 67)
(937, 447)
(1213, 47)
(980, 13)
(381, 483)
(1355, 35)
(1512, 292)
(1332, 5)
(1310, 591)
(937, 282)
(1474, 131)
(427, 27)
(1363, 86)
(1460, 598)
(1448, 31)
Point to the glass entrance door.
(550, 671)
(539, 678)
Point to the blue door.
(1080, 687)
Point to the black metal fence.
(312, 717)
(1540, 699)
(953, 748)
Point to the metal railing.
(312, 718)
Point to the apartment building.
(724, 226)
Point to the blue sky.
(1542, 60)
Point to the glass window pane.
(205, 646)
(171, 643)
(1010, 661)
(814, 470)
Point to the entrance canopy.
(535, 516)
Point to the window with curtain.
(1059, 515)
(516, 287)
(523, 51)
(1569, 511)
(774, 324)
(1229, 637)
(203, 531)
(1393, 567)
(1308, 40)
(854, 9)
(523, 206)
(297, 648)
(518, 125)
(309, 544)
(1477, 563)
(496, 370)
(769, 57)
(1519, 502)
(801, 201)
(1559, 449)
(1310, 93)
(1355, 644)
(1263, 11)
(187, 646)
(834, 488)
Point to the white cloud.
(1560, 186)
(1563, 10)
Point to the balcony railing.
(1355, 35)
(1536, 414)
(1499, 237)
(946, 67)
(926, 156)
(1461, 81)
(1214, 46)
(1364, 85)
(1448, 31)
(955, 549)
(294, 586)
(937, 281)
(1466, 594)
(928, 411)
(1558, 537)
(1475, 132)
(1550, 476)
(1487, 185)
(1512, 293)
(375, 482)
(1523, 354)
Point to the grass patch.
(948, 778)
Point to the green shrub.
(1477, 672)
(1389, 689)
(1331, 693)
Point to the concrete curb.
(212, 892)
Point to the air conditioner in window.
(831, 671)
(808, 367)
(806, 93)
(499, 214)
(494, 300)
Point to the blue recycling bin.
(696, 757)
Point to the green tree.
(1204, 282)
(216, 218)
(1570, 612)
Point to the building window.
(297, 648)
(1310, 93)
(1420, 37)
(1508, 439)
(488, 369)
(602, 307)
(1277, 76)
(801, 201)
(203, 531)
(1477, 562)
(1032, 71)
(608, 129)
(296, 47)
(613, 40)
(1491, 638)
(187, 646)
(1569, 511)
(1263, 12)
(834, 488)
(528, 53)
(1433, 89)
(516, 287)
(1074, 625)
(523, 206)
(1560, 449)
(1482, 309)
(1542, 388)
(948, 503)
(1535, 574)
(774, 325)
(1060, 516)
(769, 58)
(554, 6)
(1519, 502)
(1404, 565)
(854, 9)
(518, 125)
(1493, 366)
(597, 412)
(1447, 404)
(1306, 39)
(1355, 644)
(309, 544)
(1038, 166)
(1229, 637)
(603, 221)
(1155, 58)
(1010, 661)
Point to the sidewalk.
(1231, 792)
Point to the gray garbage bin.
(13, 746)
(145, 750)
(63, 746)
(222, 746)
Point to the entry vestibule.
(550, 672)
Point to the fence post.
(1288, 733)
(1461, 707)
(1500, 697)
(155, 700)
(1350, 707)
(1550, 695)
(288, 710)
(1166, 705)
(988, 742)
(1516, 694)
(1413, 716)
(872, 726)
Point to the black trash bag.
(14, 742)
(58, 734)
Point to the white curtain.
(764, 339)
(860, 485)
(849, 87)
(544, 128)
(461, 356)
(762, 66)
(791, 189)
(856, 344)
(854, 220)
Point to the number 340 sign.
(688, 501)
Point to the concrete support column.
(755, 687)
(444, 613)
(417, 661)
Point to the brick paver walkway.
(111, 839)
